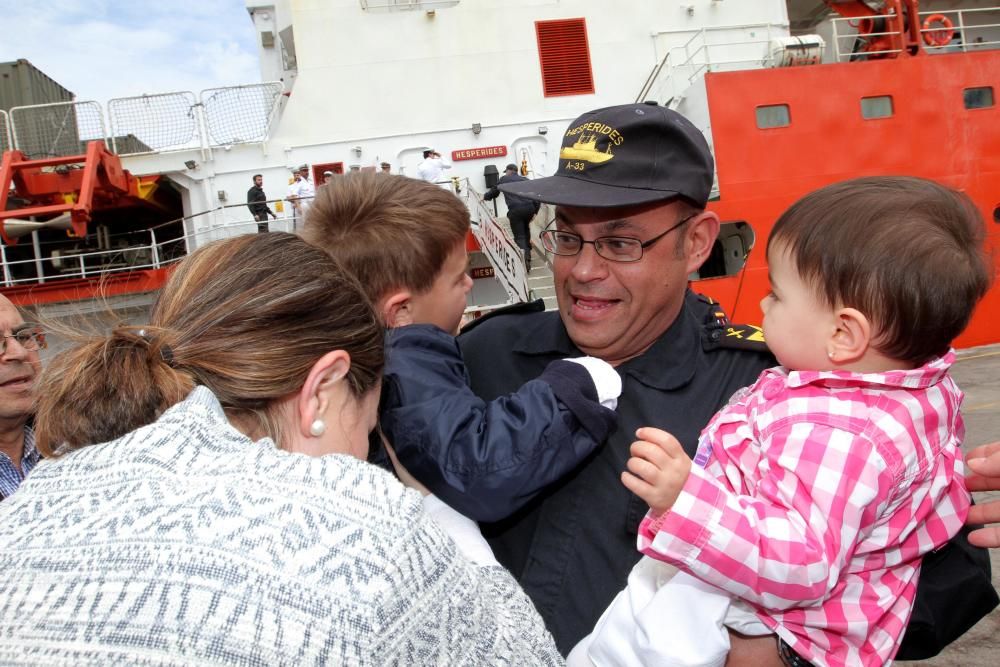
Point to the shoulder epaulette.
(741, 337)
(535, 306)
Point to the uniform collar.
(668, 364)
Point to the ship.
(102, 199)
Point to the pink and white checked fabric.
(818, 496)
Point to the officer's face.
(615, 310)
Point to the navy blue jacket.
(572, 547)
(485, 459)
(513, 201)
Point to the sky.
(100, 49)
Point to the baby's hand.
(657, 470)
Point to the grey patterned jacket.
(185, 542)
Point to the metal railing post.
(6, 269)
(961, 31)
(153, 248)
(83, 267)
(836, 42)
(37, 248)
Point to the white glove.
(606, 379)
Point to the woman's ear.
(702, 232)
(324, 380)
(851, 337)
(396, 309)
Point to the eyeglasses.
(31, 338)
(613, 248)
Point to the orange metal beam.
(102, 182)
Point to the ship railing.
(708, 49)
(56, 130)
(972, 29)
(391, 5)
(497, 243)
(161, 247)
(149, 124)
(5, 143)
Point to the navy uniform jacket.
(573, 546)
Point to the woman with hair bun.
(205, 497)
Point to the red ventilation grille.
(565, 57)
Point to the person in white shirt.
(300, 194)
(432, 166)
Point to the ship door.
(318, 169)
(530, 152)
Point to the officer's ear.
(699, 237)
(396, 309)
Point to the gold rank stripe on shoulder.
(744, 337)
(745, 332)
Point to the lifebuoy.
(938, 36)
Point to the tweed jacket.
(185, 542)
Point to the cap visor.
(566, 191)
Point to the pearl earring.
(317, 428)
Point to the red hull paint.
(931, 134)
(112, 284)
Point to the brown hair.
(391, 232)
(906, 252)
(246, 317)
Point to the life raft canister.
(938, 30)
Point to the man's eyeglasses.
(613, 248)
(31, 338)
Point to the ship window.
(729, 252)
(876, 107)
(978, 98)
(564, 55)
(774, 115)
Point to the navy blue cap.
(623, 156)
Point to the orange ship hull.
(930, 133)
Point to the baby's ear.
(395, 309)
(851, 338)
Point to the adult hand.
(657, 470)
(984, 475)
(404, 475)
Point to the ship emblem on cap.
(585, 149)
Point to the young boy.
(815, 493)
(404, 239)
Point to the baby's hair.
(906, 252)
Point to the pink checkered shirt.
(818, 496)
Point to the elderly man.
(630, 227)
(19, 365)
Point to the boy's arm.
(485, 459)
